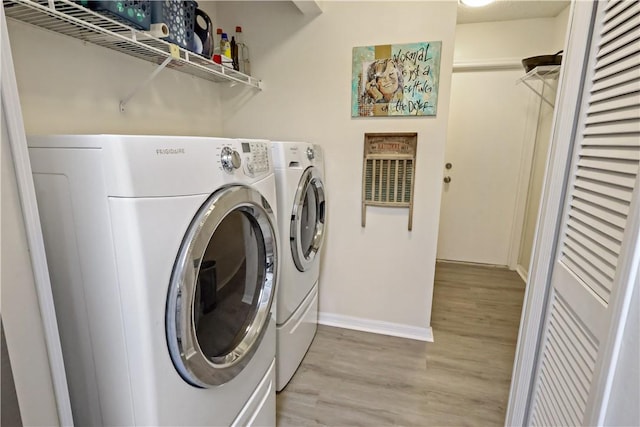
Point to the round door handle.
(230, 159)
(447, 179)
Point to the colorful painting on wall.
(395, 80)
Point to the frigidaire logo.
(170, 151)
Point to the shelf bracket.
(539, 93)
(126, 100)
(542, 73)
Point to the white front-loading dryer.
(163, 253)
(299, 171)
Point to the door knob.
(447, 179)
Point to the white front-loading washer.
(299, 170)
(164, 260)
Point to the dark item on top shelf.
(180, 17)
(205, 34)
(135, 13)
(234, 54)
(537, 61)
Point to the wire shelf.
(74, 20)
(542, 73)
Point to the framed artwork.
(395, 80)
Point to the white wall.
(561, 26)
(382, 272)
(505, 39)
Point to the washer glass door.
(222, 287)
(307, 219)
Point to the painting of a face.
(387, 79)
(395, 80)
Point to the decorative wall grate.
(388, 171)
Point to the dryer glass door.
(307, 219)
(222, 287)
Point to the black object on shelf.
(234, 54)
(205, 34)
(536, 61)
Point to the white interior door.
(486, 136)
(598, 238)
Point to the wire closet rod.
(487, 65)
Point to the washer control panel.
(255, 156)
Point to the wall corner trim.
(376, 326)
(524, 274)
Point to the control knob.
(230, 159)
(310, 153)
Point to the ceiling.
(506, 10)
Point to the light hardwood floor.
(351, 378)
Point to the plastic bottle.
(225, 46)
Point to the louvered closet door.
(598, 202)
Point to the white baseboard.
(376, 326)
(524, 274)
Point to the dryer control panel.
(256, 157)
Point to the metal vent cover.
(388, 171)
